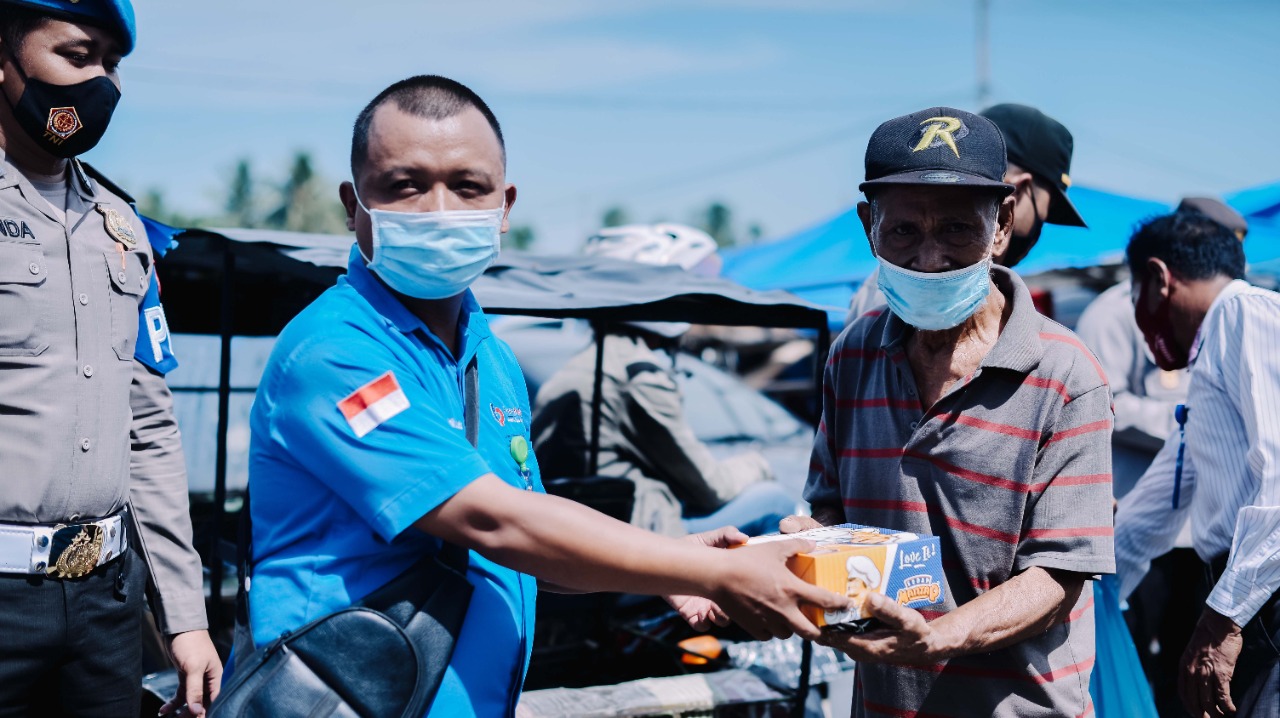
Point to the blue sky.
(662, 106)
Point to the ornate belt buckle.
(75, 550)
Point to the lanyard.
(1180, 415)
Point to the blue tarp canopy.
(826, 263)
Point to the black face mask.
(65, 120)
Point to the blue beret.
(114, 15)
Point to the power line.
(669, 181)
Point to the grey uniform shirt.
(1145, 395)
(84, 428)
(643, 436)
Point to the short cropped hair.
(16, 23)
(429, 96)
(1193, 246)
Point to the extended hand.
(1204, 681)
(761, 595)
(905, 638)
(199, 672)
(795, 524)
(701, 613)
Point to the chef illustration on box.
(863, 575)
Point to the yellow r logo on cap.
(941, 130)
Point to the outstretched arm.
(572, 546)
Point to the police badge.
(75, 551)
(118, 226)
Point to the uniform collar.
(11, 176)
(1018, 347)
(1233, 288)
(473, 325)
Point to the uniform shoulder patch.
(368, 407)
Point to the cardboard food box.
(853, 559)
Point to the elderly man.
(1161, 611)
(965, 414)
(365, 459)
(1222, 467)
(1039, 169)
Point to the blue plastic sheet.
(1119, 687)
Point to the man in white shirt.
(1160, 619)
(1194, 311)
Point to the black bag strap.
(451, 555)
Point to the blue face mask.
(433, 255)
(934, 301)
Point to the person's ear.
(864, 214)
(1156, 286)
(1004, 225)
(347, 193)
(510, 195)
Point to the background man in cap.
(964, 413)
(1223, 470)
(1145, 395)
(95, 487)
(680, 486)
(1039, 168)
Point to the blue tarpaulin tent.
(826, 263)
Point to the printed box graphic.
(852, 559)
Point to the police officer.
(94, 487)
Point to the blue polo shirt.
(336, 489)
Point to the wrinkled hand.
(757, 590)
(905, 638)
(702, 613)
(795, 524)
(1204, 679)
(199, 672)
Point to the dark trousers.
(73, 647)
(1163, 611)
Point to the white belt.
(64, 550)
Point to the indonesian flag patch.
(373, 403)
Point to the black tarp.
(276, 274)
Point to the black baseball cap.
(1042, 146)
(940, 146)
(1218, 211)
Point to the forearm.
(1252, 575)
(1025, 606)
(158, 494)
(568, 545)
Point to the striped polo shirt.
(1010, 469)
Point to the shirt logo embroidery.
(373, 404)
(939, 131)
(15, 228)
(63, 123)
(505, 415)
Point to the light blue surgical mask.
(934, 301)
(433, 255)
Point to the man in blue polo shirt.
(360, 463)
